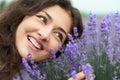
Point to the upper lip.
(38, 41)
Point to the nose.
(44, 34)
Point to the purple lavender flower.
(53, 53)
(114, 78)
(73, 73)
(117, 55)
(70, 38)
(87, 69)
(32, 68)
(27, 67)
(92, 20)
(29, 56)
(116, 17)
(117, 34)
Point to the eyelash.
(59, 35)
(42, 18)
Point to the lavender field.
(97, 52)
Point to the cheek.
(54, 45)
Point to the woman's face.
(39, 33)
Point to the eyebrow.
(59, 28)
(49, 17)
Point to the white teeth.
(34, 42)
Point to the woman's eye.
(42, 18)
(59, 35)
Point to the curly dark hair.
(11, 16)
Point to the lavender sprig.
(53, 53)
(87, 69)
(32, 68)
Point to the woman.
(34, 26)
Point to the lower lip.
(31, 46)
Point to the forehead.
(60, 17)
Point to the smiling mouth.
(35, 43)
